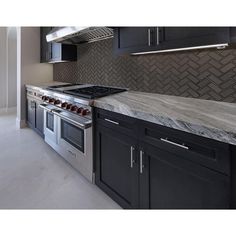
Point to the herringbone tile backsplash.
(205, 74)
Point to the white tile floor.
(34, 176)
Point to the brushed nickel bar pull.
(112, 121)
(141, 162)
(131, 157)
(157, 36)
(173, 143)
(149, 37)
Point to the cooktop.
(92, 92)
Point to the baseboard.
(9, 110)
(20, 124)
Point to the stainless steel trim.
(72, 121)
(77, 35)
(149, 37)
(173, 143)
(141, 161)
(112, 121)
(131, 157)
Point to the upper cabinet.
(151, 39)
(55, 52)
(135, 39)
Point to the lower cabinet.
(116, 166)
(30, 116)
(168, 181)
(35, 116)
(137, 173)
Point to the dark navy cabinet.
(148, 39)
(55, 52)
(35, 116)
(148, 166)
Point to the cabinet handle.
(141, 161)
(149, 37)
(132, 157)
(157, 36)
(112, 121)
(173, 143)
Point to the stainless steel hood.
(78, 35)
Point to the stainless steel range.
(68, 124)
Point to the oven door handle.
(44, 106)
(71, 121)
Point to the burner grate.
(94, 91)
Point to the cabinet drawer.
(206, 152)
(115, 121)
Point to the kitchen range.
(68, 121)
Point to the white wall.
(3, 81)
(29, 68)
(11, 66)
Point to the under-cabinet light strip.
(218, 46)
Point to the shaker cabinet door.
(168, 181)
(116, 166)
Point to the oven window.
(72, 135)
(50, 121)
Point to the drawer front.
(115, 121)
(206, 152)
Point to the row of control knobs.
(80, 110)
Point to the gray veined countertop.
(211, 119)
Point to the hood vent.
(78, 35)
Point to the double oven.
(68, 126)
(71, 136)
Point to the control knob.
(80, 109)
(45, 98)
(85, 112)
(68, 106)
(64, 104)
(51, 100)
(74, 108)
(57, 102)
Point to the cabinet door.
(134, 39)
(169, 181)
(180, 37)
(31, 112)
(39, 119)
(56, 52)
(116, 166)
(46, 48)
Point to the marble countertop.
(211, 119)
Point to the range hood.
(78, 35)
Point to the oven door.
(50, 125)
(76, 142)
(71, 136)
